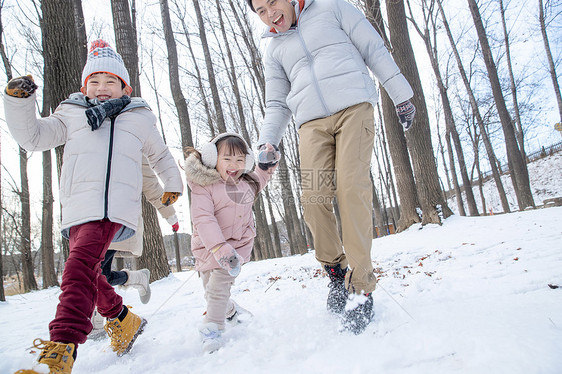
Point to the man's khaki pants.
(335, 157)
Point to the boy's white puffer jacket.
(319, 67)
(101, 173)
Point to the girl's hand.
(228, 259)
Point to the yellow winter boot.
(124, 332)
(58, 357)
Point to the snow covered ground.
(475, 295)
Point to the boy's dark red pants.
(83, 286)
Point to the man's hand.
(168, 198)
(406, 112)
(21, 86)
(175, 227)
(268, 156)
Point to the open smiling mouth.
(278, 20)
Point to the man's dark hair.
(251, 5)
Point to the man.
(317, 69)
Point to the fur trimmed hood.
(196, 172)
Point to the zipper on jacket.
(314, 79)
(108, 174)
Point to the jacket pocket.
(67, 175)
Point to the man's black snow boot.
(337, 297)
(360, 315)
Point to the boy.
(106, 134)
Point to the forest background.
(484, 75)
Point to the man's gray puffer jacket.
(322, 65)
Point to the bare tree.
(29, 282)
(173, 72)
(203, 96)
(395, 135)
(59, 30)
(47, 247)
(434, 206)
(517, 165)
(476, 112)
(154, 255)
(210, 70)
(517, 119)
(429, 15)
(552, 68)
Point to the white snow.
(470, 296)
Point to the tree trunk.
(173, 72)
(518, 125)
(210, 70)
(276, 237)
(248, 38)
(29, 282)
(154, 255)
(80, 25)
(298, 241)
(396, 139)
(59, 29)
(378, 217)
(126, 41)
(419, 136)
(47, 248)
(203, 96)
(451, 129)
(476, 113)
(551, 66)
(518, 166)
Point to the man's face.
(104, 86)
(279, 14)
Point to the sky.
(474, 295)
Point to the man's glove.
(106, 109)
(228, 259)
(406, 112)
(21, 86)
(268, 156)
(168, 198)
(175, 227)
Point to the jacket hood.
(198, 173)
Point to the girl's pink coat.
(221, 212)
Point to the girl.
(223, 189)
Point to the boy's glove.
(228, 259)
(106, 109)
(21, 86)
(268, 156)
(406, 112)
(168, 198)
